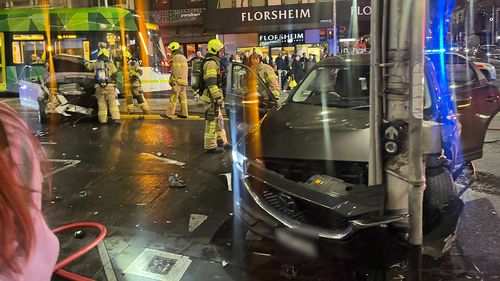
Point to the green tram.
(76, 31)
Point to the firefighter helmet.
(214, 46)
(103, 54)
(174, 46)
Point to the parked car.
(67, 95)
(488, 70)
(303, 169)
(489, 54)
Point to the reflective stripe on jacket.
(211, 71)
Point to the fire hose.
(69, 275)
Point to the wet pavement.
(118, 176)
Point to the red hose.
(494, 129)
(72, 276)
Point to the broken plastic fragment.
(174, 180)
(95, 129)
(82, 193)
(224, 263)
(141, 204)
(79, 234)
(196, 220)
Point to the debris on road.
(229, 181)
(82, 193)
(174, 180)
(79, 234)
(224, 263)
(196, 220)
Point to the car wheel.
(486, 74)
(439, 191)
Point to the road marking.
(106, 262)
(149, 156)
(159, 265)
(69, 163)
(196, 220)
(158, 117)
(125, 116)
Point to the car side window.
(240, 85)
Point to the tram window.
(28, 52)
(70, 46)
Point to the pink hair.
(20, 188)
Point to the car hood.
(310, 132)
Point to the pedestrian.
(29, 248)
(178, 81)
(105, 92)
(213, 99)
(311, 61)
(297, 69)
(282, 67)
(135, 73)
(266, 73)
(244, 59)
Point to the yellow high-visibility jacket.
(267, 74)
(211, 72)
(179, 75)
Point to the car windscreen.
(69, 63)
(336, 86)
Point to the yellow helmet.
(104, 53)
(214, 46)
(174, 46)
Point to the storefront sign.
(177, 16)
(281, 17)
(28, 37)
(274, 15)
(281, 39)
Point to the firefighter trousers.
(214, 129)
(138, 95)
(106, 101)
(178, 93)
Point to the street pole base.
(414, 263)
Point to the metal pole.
(416, 170)
(335, 42)
(375, 167)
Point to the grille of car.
(298, 209)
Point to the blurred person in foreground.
(266, 73)
(29, 249)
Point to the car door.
(29, 86)
(470, 89)
(247, 98)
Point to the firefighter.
(178, 81)
(105, 92)
(135, 72)
(213, 98)
(266, 73)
